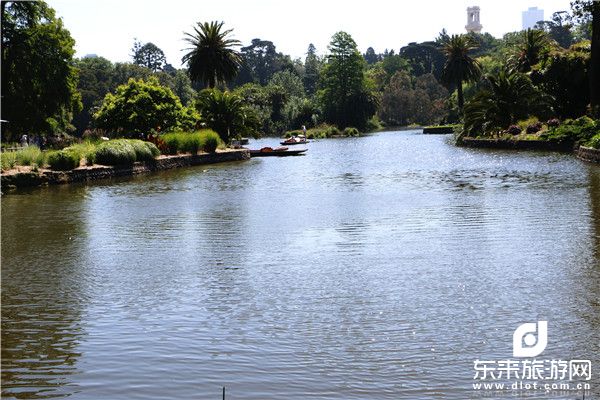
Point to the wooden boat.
(276, 152)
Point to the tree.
(533, 46)
(424, 58)
(559, 28)
(140, 107)
(290, 82)
(370, 56)
(182, 87)
(39, 79)
(406, 101)
(345, 97)
(260, 61)
(460, 66)
(312, 69)
(96, 76)
(149, 56)
(510, 96)
(583, 9)
(563, 74)
(212, 58)
(226, 114)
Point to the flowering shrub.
(514, 130)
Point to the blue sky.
(108, 27)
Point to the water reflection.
(42, 297)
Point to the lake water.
(375, 267)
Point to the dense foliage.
(226, 113)
(39, 79)
(212, 57)
(140, 107)
(345, 96)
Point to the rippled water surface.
(375, 267)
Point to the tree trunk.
(595, 60)
(461, 100)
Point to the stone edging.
(588, 154)
(96, 172)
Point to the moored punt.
(276, 152)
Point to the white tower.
(473, 24)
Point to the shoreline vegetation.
(29, 176)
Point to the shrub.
(87, 151)
(594, 141)
(349, 131)
(173, 142)
(211, 141)
(192, 142)
(514, 130)
(374, 124)
(28, 155)
(534, 128)
(573, 132)
(332, 131)
(160, 143)
(8, 160)
(553, 123)
(144, 151)
(63, 160)
(117, 152)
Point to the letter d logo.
(526, 334)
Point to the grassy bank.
(117, 152)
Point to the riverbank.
(588, 154)
(24, 177)
(540, 145)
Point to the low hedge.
(63, 160)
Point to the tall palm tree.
(212, 58)
(460, 66)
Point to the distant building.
(532, 16)
(473, 24)
(91, 56)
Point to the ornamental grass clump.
(29, 155)
(211, 141)
(63, 160)
(125, 152)
(8, 160)
(350, 131)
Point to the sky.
(108, 27)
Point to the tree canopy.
(140, 107)
(345, 97)
(212, 58)
(39, 79)
(149, 56)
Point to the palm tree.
(534, 43)
(226, 113)
(212, 58)
(510, 96)
(460, 66)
